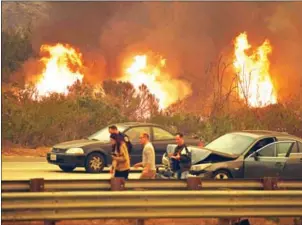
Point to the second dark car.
(94, 153)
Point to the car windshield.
(232, 143)
(103, 134)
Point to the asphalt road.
(19, 168)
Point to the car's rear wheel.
(221, 175)
(95, 163)
(67, 168)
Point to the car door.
(137, 148)
(268, 161)
(293, 166)
(160, 139)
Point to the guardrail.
(150, 204)
(160, 184)
(53, 200)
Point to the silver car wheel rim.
(221, 176)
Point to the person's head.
(179, 138)
(144, 138)
(115, 141)
(113, 129)
(113, 138)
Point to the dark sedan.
(93, 153)
(249, 154)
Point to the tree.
(148, 104)
(17, 49)
(123, 96)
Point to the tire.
(95, 163)
(67, 168)
(221, 175)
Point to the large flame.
(254, 83)
(144, 72)
(62, 69)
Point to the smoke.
(190, 35)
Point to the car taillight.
(201, 144)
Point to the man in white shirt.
(148, 162)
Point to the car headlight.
(75, 151)
(200, 167)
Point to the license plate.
(53, 157)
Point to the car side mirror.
(255, 155)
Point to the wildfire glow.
(61, 70)
(141, 72)
(255, 84)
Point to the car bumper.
(66, 160)
(203, 175)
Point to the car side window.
(267, 151)
(300, 146)
(134, 133)
(260, 144)
(295, 151)
(283, 148)
(160, 134)
(277, 149)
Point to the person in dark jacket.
(113, 130)
(181, 158)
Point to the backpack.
(128, 142)
(187, 163)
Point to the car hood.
(76, 143)
(199, 154)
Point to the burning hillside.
(62, 69)
(149, 70)
(63, 66)
(254, 81)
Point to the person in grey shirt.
(148, 163)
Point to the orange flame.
(255, 84)
(160, 84)
(61, 69)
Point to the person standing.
(113, 130)
(120, 157)
(148, 163)
(181, 158)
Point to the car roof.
(134, 124)
(266, 133)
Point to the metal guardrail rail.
(160, 184)
(150, 204)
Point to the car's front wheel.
(67, 168)
(95, 163)
(221, 175)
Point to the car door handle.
(278, 164)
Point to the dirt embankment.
(8, 149)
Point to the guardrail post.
(117, 184)
(37, 185)
(270, 183)
(194, 183)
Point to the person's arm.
(112, 169)
(122, 156)
(140, 164)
